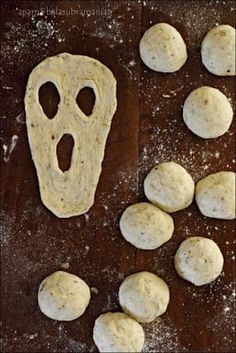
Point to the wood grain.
(147, 129)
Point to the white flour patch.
(126, 67)
(71, 345)
(109, 273)
(8, 149)
(161, 336)
(155, 111)
(196, 17)
(20, 118)
(7, 226)
(86, 250)
(197, 159)
(33, 336)
(74, 346)
(86, 216)
(65, 265)
(20, 40)
(94, 290)
(7, 87)
(225, 316)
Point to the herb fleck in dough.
(70, 193)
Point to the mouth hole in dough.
(86, 100)
(49, 99)
(64, 152)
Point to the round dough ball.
(146, 226)
(162, 48)
(218, 51)
(117, 332)
(169, 186)
(207, 112)
(199, 260)
(215, 195)
(144, 296)
(63, 296)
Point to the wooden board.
(147, 129)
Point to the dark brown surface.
(147, 128)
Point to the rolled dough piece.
(146, 226)
(169, 186)
(70, 193)
(162, 48)
(207, 112)
(117, 332)
(218, 51)
(144, 296)
(63, 296)
(215, 195)
(199, 260)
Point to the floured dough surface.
(169, 186)
(118, 332)
(72, 192)
(218, 51)
(215, 195)
(207, 112)
(162, 48)
(199, 260)
(144, 296)
(63, 296)
(146, 226)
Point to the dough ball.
(144, 296)
(215, 195)
(146, 226)
(162, 48)
(117, 332)
(63, 296)
(199, 260)
(207, 112)
(218, 51)
(169, 186)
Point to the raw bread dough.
(144, 296)
(218, 50)
(63, 296)
(117, 332)
(70, 193)
(199, 260)
(207, 112)
(146, 226)
(162, 48)
(215, 195)
(169, 186)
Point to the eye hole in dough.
(86, 100)
(49, 99)
(64, 151)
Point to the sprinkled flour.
(161, 336)
(18, 38)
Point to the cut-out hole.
(64, 151)
(49, 99)
(86, 100)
